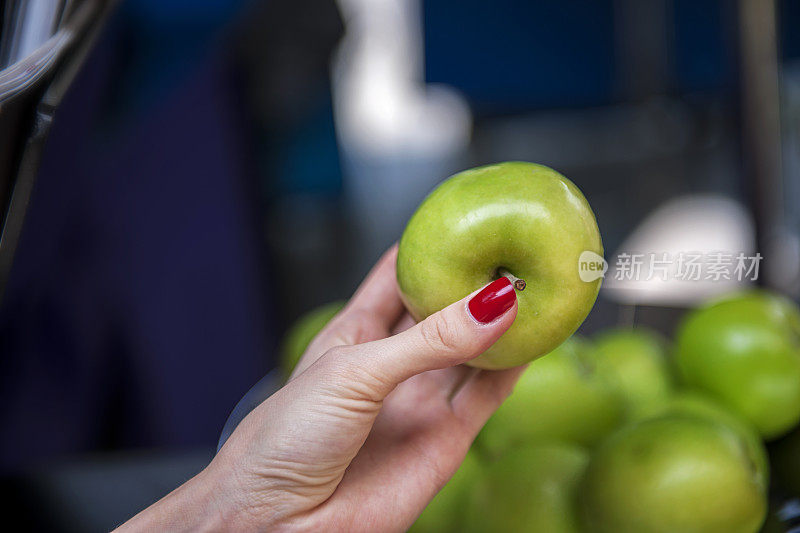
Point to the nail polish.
(494, 300)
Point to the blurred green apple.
(559, 397)
(672, 473)
(531, 488)
(303, 332)
(745, 350)
(693, 403)
(520, 218)
(634, 360)
(445, 513)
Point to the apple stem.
(518, 283)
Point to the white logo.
(591, 266)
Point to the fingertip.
(492, 302)
(378, 293)
(390, 255)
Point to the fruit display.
(700, 405)
(522, 220)
(563, 392)
(745, 350)
(675, 472)
(625, 431)
(529, 488)
(635, 362)
(616, 433)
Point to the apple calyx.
(518, 283)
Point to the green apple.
(672, 473)
(531, 488)
(303, 332)
(445, 513)
(520, 218)
(559, 397)
(745, 351)
(634, 360)
(693, 403)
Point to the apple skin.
(531, 488)
(303, 332)
(634, 360)
(693, 403)
(745, 351)
(445, 513)
(559, 397)
(523, 217)
(672, 473)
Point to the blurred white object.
(398, 136)
(31, 41)
(29, 24)
(702, 224)
(381, 101)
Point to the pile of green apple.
(624, 432)
(627, 433)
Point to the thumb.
(454, 335)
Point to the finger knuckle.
(440, 334)
(337, 353)
(348, 377)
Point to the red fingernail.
(494, 300)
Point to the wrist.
(227, 503)
(204, 503)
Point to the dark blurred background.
(219, 167)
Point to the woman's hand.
(375, 419)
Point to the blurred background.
(216, 168)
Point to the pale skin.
(377, 416)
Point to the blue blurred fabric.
(136, 313)
(512, 56)
(509, 56)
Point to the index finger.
(369, 315)
(378, 294)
